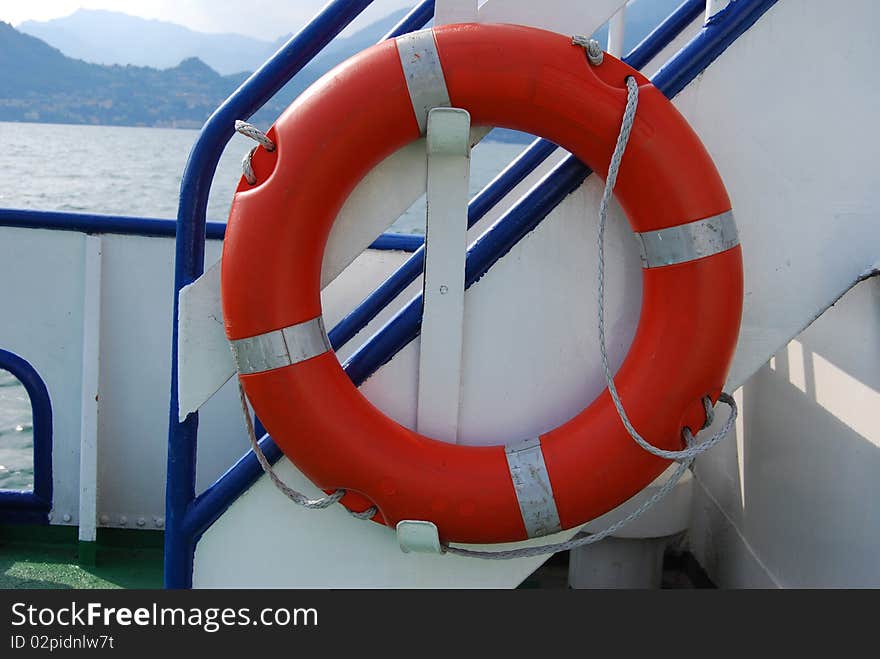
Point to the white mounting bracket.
(442, 334)
(418, 537)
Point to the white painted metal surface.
(563, 16)
(42, 321)
(617, 32)
(791, 501)
(714, 6)
(326, 549)
(418, 536)
(204, 358)
(446, 244)
(90, 393)
(48, 324)
(455, 11)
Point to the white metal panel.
(714, 6)
(42, 321)
(446, 245)
(616, 33)
(204, 359)
(91, 351)
(135, 371)
(337, 551)
(800, 182)
(455, 11)
(788, 502)
(563, 16)
(793, 499)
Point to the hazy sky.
(267, 19)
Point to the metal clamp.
(419, 537)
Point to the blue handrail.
(149, 226)
(536, 153)
(31, 506)
(190, 246)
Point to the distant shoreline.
(500, 135)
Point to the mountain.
(40, 83)
(108, 37)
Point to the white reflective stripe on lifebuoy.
(280, 348)
(531, 482)
(687, 242)
(423, 73)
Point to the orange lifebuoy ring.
(521, 78)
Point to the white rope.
(591, 47)
(629, 114)
(251, 131)
(296, 496)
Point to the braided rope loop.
(251, 131)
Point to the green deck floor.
(48, 557)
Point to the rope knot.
(591, 46)
(251, 131)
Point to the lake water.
(127, 171)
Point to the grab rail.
(129, 225)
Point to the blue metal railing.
(149, 226)
(188, 516)
(31, 506)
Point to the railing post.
(91, 365)
(189, 260)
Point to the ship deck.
(48, 557)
